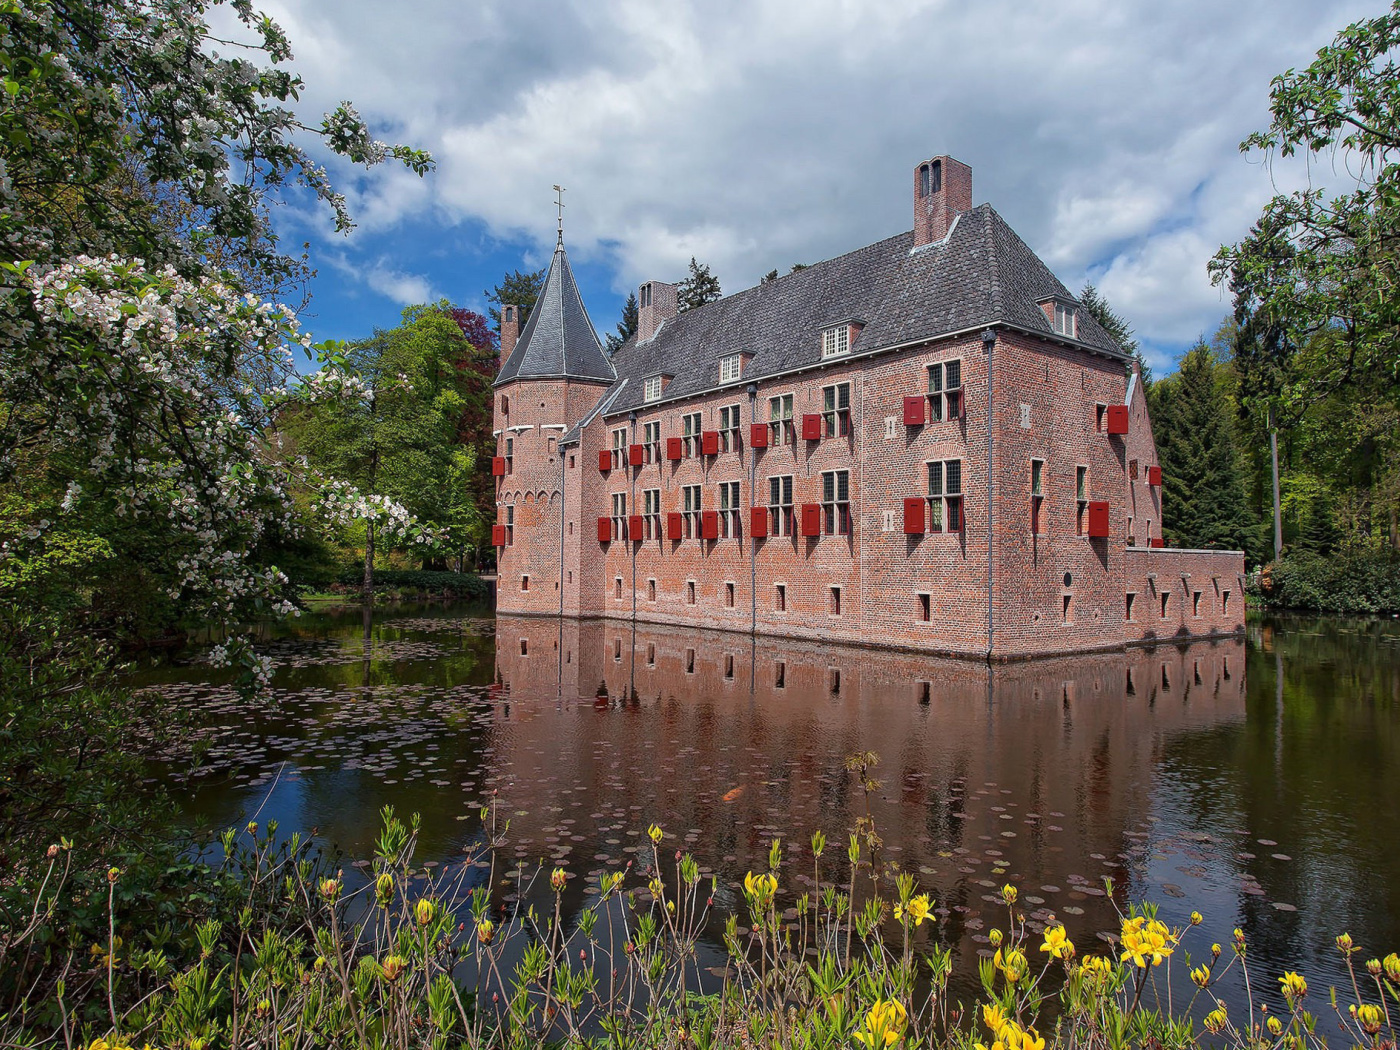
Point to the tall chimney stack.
(510, 329)
(656, 302)
(942, 189)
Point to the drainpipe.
(989, 342)
(631, 541)
(753, 502)
(563, 475)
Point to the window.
(944, 390)
(651, 597)
(729, 665)
(651, 438)
(730, 367)
(945, 495)
(780, 674)
(1037, 496)
(1081, 499)
(836, 501)
(835, 606)
(651, 388)
(1128, 610)
(890, 427)
(690, 600)
(923, 609)
(549, 445)
(505, 405)
(729, 428)
(729, 595)
(619, 515)
(645, 295)
(833, 679)
(651, 511)
(780, 519)
(836, 341)
(1132, 539)
(690, 503)
(1195, 603)
(1064, 323)
(1225, 607)
(1100, 416)
(524, 647)
(1166, 596)
(617, 593)
(510, 454)
(651, 651)
(781, 430)
(1067, 609)
(780, 597)
(510, 525)
(524, 583)
(729, 508)
(836, 409)
(690, 431)
(690, 661)
(619, 448)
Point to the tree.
(520, 288)
(1203, 503)
(1116, 326)
(698, 288)
(1317, 263)
(627, 327)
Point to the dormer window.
(1065, 320)
(651, 388)
(731, 366)
(836, 341)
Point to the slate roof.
(559, 340)
(981, 273)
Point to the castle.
(927, 443)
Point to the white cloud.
(758, 133)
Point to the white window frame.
(836, 341)
(692, 502)
(836, 502)
(944, 496)
(836, 409)
(780, 428)
(731, 367)
(729, 508)
(1066, 320)
(651, 388)
(730, 419)
(780, 514)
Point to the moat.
(1251, 779)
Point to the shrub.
(428, 581)
(1349, 581)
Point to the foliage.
(1347, 581)
(627, 327)
(1203, 502)
(279, 950)
(519, 288)
(453, 584)
(1115, 325)
(1319, 272)
(697, 288)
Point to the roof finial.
(559, 201)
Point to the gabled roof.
(979, 274)
(559, 341)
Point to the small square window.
(731, 366)
(651, 389)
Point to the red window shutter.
(913, 516)
(914, 413)
(709, 442)
(674, 448)
(498, 466)
(605, 530)
(811, 519)
(604, 460)
(1098, 518)
(812, 427)
(675, 523)
(758, 522)
(498, 535)
(1154, 476)
(709, 524)
(636, 455)
(635, 529)
(1117, 419)
(758, 435)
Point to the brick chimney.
(510, 329)
(942, 188)
(656, 302)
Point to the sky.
(755, 134)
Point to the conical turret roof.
(559, 341)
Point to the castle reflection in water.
(1041, 772)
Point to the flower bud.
(393, 967)
(425, 911)
(330, 889)
(1373, 967)
(1008, 893)
(1392, 967)
(485, 931)
(1197, 918)
(557, 879)
(1344, 944)
(995, 938)
(654, 833)
(384, 889)
(1275, 1026)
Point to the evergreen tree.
(698, 288)
(1116, 326)
(521, 288)
(1203, 504)
(627, 327)
(771, 275)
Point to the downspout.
(632, 540)
(563, 474)
(989, 342)
(753, 502)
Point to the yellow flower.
(654, 833)
(425, 911)
(384, 889)
(994, 1019)
(1008, 893)
(1344, 944)
(1197, 918)
(1096, 968)
(656, 887)
(884, 1024)
(557, 879)
(1013, 964)
(1294, 987)
(1057, 943)
(1369, 1017)
(393, 967)
(1145, 939)
(330, 889)
(485, 931)
(1392, 966)
(1275, 1026)
(995, 938)
(760, 889)
(918, 909)
(1216, 1020)
(1200, 976)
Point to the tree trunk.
(369, 563)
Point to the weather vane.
(559, 201)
